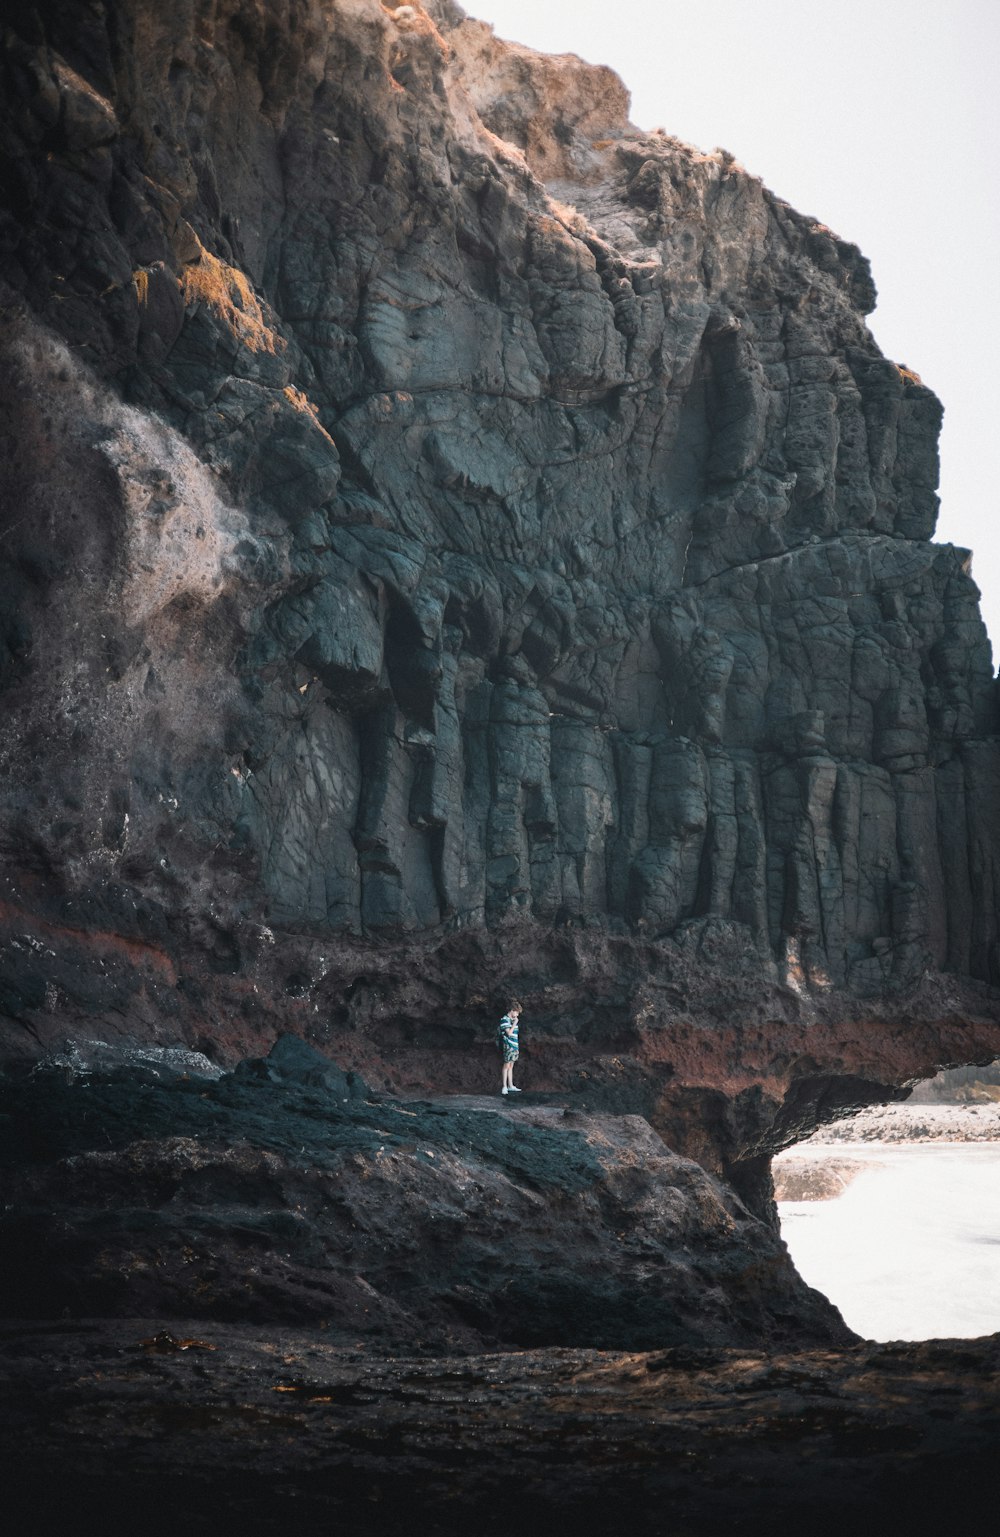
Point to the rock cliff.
(456, 541)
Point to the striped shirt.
(508, 1035)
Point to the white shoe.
(514, 1089)
(503, 1091)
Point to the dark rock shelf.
(283, 1192)
(255, 1429)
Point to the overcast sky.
(881, 118)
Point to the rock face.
(455, 541)
(286, 1193)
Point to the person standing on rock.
(507, 1041)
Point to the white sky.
(881, 118)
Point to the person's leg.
(505, 1077)
(511, 1086)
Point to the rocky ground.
(235, 1300)
(122, 1425)
(913, 1123)
(287, 1192)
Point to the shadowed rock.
(277, 1419)
(284, 1191)
(453, 542)
(440, 518)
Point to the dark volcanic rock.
(267, 1427)
(282, 1193)
(453, 540)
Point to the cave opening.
(894, 1212)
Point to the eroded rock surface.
(268, 1426)
(454, 540)
(287, 1192)
(798, 1178)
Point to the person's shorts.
(510, 1053)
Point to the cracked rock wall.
(432, 503)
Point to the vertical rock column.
(522, 871)
(664, 877)
(583, 784)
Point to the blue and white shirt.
(508, 1027)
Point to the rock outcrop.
(454, 540)
(287, 1193)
